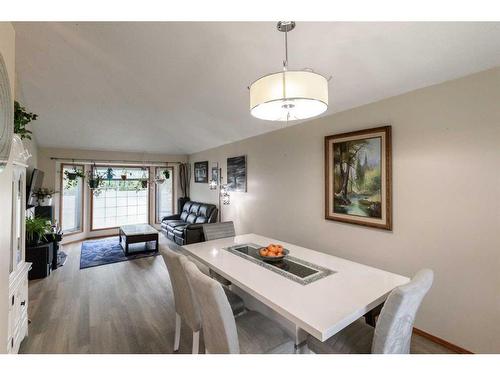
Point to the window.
(122, 198)
(164, 193)
(71, 209)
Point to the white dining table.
(321, 308)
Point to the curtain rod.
(117, 162)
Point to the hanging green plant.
(70, 177)
(21, 119)
(166, 173)
(94, 179)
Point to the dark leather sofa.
(186, 227)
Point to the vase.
(45, 201)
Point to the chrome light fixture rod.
(285, 27)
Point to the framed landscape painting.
(201, 171)
(358, 180)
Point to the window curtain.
(185, 178)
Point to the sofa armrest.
(172, 217)
(193, 233)
(213, 217)
(194, 226)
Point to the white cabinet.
(18, 308)
(18, 268)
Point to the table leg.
(300, 346)
(372, 315)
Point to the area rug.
(108, 250)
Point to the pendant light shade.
(289, 95)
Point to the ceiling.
(180, 87)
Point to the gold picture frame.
(358, 177)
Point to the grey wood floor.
(124, 307)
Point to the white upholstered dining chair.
(216, 231)
(393, 330)
(186, 308)
(222, 333)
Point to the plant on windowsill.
(44, 196)
(36, 229)
(21, 119)
(124, 175)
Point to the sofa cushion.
(205, 213)
(184, 215)
(204, 210)
(191, 218)
(179, 230)
(201, 220)
(195, 207)
(174, 224)
(187, 206)
(166, 222)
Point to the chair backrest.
(185, 302)
(395, 323)
(218, 230)
(219, 327)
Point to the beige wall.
(7, 49)
(51, 169)
(446, 180)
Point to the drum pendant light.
(290, 94)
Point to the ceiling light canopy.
(291, 94)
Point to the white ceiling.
(180, 87)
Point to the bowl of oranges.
(272, 253)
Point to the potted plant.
(94, 179)
(36, 229)
(144, 179)
(44, 196)
(21, 119)
(71, 177)
(160, 179)
(124, 175)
